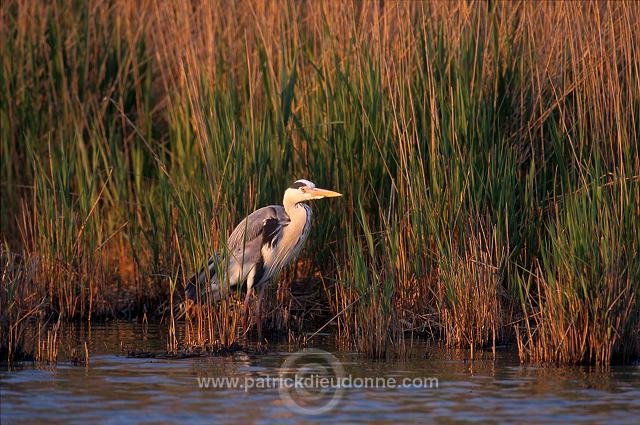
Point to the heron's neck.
(295, 210)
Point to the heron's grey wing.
(244, 248)
(262, 225)
(260, 228)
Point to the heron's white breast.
(289, 244)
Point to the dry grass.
(470, 292)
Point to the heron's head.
(304, 190)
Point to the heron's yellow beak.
(324, 193)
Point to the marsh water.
(431, 386)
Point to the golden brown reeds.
(470, 293)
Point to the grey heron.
(260, 246)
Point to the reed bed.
(488, 154)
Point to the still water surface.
(115, 388)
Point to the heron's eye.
(302, 188)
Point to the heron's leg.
(259, 311)
(245, 314)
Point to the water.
(115, 388)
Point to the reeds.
(20, 304)
(488, 153)
(470, 292)
(583, 297)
